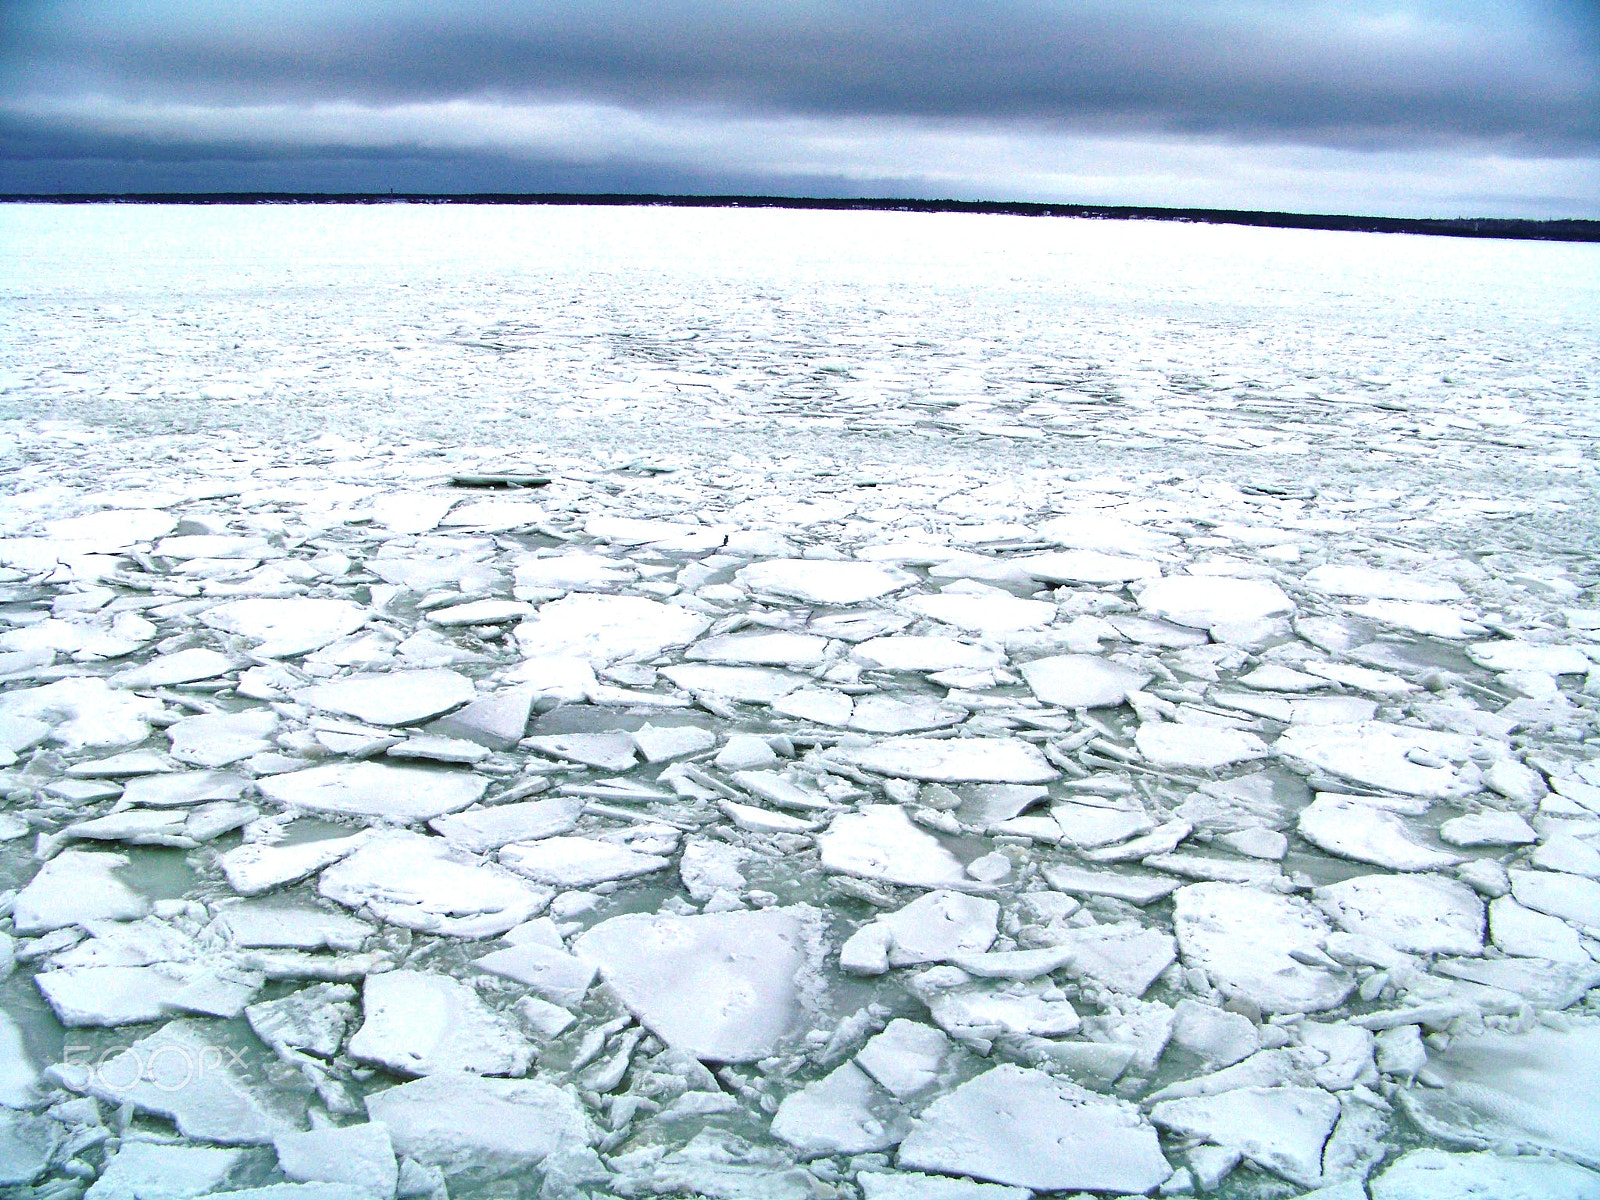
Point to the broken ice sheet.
(722, 987)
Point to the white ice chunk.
(777, 649)
(392, 697)
(1280, 1128)
(880, 713)
(1023, 1127)
(1196, 747)
(575, 862)
(466, 1122)
(287, 627)
(215, 740)
(930, 653)
(1082, 680)
(914, 1185)
(74, 887)
(1527, 1092)
(256, 867)
(1377, 584)
(1570, 897)
(1430, 620)
(1086, 566)
(820, 705)
(84, 711)
(422, 1024)
(17, 1073)
(1242, 936)
(603, 629)
(112, 530)
(557, 976)
(483, 829)
(819, 581)
(1214, 602)
(1488, 828)
(1422, 914)
(1346, 827)
(1530, 656)
(569, 572)
(1429, 1174)
(939, 926)
(724, 987)
(1096, 531)
(659, 743)
(255, 924)
(1523, 933)
(880, 842)
(148, 1171)
(184, 666)
(400, 793)
(844, 1112)
(1382, 755)
(752, 685)
(423, 883)
(1218, 1037)
(955, 760)
(162, 1074)
(907, 1058)
(360, 1155)
(480, 612)
(991, 615)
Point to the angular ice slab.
(1242, 937)
(84, 712)
(418, 1023)
(992, 615)
(819, 581)
(761, 649)
(467, 1123)
(575, 862)
(1280, 1128)
(424, 883)
(399, 793)
(1082, 680)
(215, 740)
(1214, 602)
(880, 842)
(1439, 1175)
(955, 760)
(185, 666)
(1380, 755)
(844, 1112)
(1196, 747)
(1366, 833)
(483, 829)
(73, 887)
(1023, 1127)
(930, 653)
(392, 697)
(1374, 583)
(752, 685)
(721, 987)
(182, 1073)
(288, 627)
(1087, 566)
(1527, 1092)
(1421, 914)
(603, 629)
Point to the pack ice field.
(585, 703)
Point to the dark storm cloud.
(1523, 74)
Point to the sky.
(1435, 108)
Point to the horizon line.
(1563, 229)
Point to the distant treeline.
(1479, 227)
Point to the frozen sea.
(615, 702)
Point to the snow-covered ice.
(817, 722)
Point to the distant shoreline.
(1561, 230)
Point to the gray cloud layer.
(1517, 78)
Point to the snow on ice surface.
(806, 503)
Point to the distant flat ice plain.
(978, 706)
